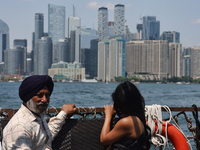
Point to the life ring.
(174, 135)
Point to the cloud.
(96, 5)
(197, 21)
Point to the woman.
(130, 131)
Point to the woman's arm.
(121, 129)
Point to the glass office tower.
(56, 22)
(150, 28)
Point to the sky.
(174, 15)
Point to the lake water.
(99, 94)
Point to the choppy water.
(99, 94)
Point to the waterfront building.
(4, 39)
(195, 62)
(1, 69)
(42, 56)
(21, 42)
(103, 23)
(61, 50)
(72, 71)
(72, 46)
(150, 28)
(175, 59)
(147, 57)
(15, 60)
(119, 19)
(72, 23)
(186, 61)
(29, 66)
(171, 36)
(103, 61)
(56, 22)
(39, 26)
(89, 58)
(117, 54)
(110, 29)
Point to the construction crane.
(143, 13)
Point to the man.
(28, 128)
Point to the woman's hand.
(109, 111)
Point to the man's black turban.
(33, 84)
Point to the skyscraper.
(39, 26)
(103, 59)
(175, 58)
(4, 39)
(72, 23)
(103, 23)
(148, 56)
(15, 60)
(117, 55)
(119, 19)
(171, 36)
(42, 56)
(195, 62)
(56, 22)
(150, 28)
(61, 51)
(110, 29)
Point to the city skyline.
(179, 16)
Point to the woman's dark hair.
(128, 100)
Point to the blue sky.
(174, 15)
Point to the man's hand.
(69, 109)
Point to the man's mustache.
(42, 103)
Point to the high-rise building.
(56, 22)
(147, 56)
(103, 23)
(119, 19)
(83, 36)
(171, 36)
(150, 28)
(39, 26)
(195, 62)
(103, 61)
(42, 56)
(186, 61)
(175, 59)
(72, 23)
(21, 42)
(139, 30)
(61, 51)
(89, 58)
(72, 46)
(15, 60)
(4, 39)
(117, 53)
(110, 29)
(93, 57)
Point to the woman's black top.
(126, 143)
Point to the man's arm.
(56, 123)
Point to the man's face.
(39, 103)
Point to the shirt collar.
(30, 115)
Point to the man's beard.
(37, 108)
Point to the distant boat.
(11, 81)
(88, 80)
(70, 80)
(178, 83)
(63, 80)
(187, 82)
